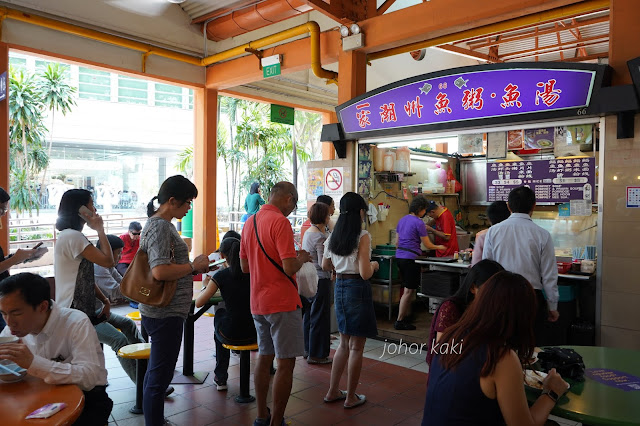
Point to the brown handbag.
(139, 285)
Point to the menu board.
(553, 181)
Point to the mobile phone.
(38, 245)
(84, 211)
(217, 262)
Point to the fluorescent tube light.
(417, 143)
(434, 158)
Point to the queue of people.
(495, 312)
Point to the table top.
(575, 277)
(596, 403)
(18, 400)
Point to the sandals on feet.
(342, 397)
(361, 400)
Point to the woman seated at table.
(234, 324)
(450, 311)
(477, 378)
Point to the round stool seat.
(251, 347)
(135, 315)
(135, 351)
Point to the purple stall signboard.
(472, 95)
(553, 181)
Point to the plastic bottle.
(389, 160)
(451, 182)
(378, 159)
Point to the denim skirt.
(354, 308)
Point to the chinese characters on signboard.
(553, 181)
(469, 96)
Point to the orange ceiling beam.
(507, 39)
(468, 53)
(296, 56)
(345, 11)
(439, 18)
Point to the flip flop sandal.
(342, 397)
(361, 400)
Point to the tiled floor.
(393, 379)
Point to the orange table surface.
(18, 400)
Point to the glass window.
(94, 84)
(168, 96)
(41, 66)
(190, 98)
(19, 64)
(132, 90)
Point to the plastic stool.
(245, 351)
(141, 353)
(135, 315)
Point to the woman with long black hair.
(348, 251)
(476, 376)
(233, 324)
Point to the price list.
(553, 181)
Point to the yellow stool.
(244, 396)
(141, 353)
(135, 315)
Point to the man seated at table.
(445, 229)
(58, 345)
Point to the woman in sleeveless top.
(476, 377)
(349, 255)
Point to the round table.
(595, 403)
(18, 400)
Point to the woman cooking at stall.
(411, 232)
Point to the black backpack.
(567, 362)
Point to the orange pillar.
(624, 15)
(4, 143)
(205, 160)
(352, 75)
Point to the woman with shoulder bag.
(317, 313)
(349, 254)
(165, 324)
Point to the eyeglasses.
(136, 233)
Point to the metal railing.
(114, 223)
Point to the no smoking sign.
(333, 181)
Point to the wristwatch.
(551, 394)
(193, 270)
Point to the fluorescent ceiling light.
(434, 158)
(417, 143)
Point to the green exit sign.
(271, 70)
(281, 114)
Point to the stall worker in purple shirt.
(411, 232)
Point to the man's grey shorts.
(280, 333)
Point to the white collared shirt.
(523, 247)
(66, 350)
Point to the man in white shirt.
(521, 246)
(58, 345)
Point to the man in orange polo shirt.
(445, 230)
(275, 303)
